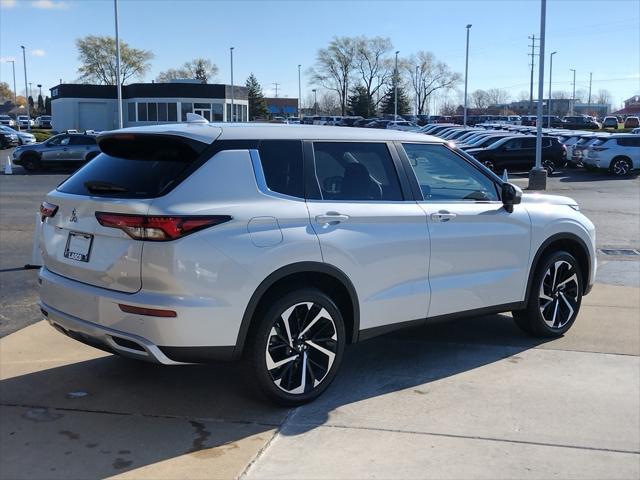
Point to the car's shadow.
(218, 405)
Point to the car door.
(78, 148)
(371, 228)
(507, 153)
(526, 157)
(53, 150)
(479, 250)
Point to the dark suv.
(519, 153)
(580, 122)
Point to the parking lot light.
(466, 74)
(24, 60)
(118, 79)
(232, 111)
(550, 73)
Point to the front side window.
(444, 176)
(356, 171)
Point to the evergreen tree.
(257, 103)
(40, 105)
(388, 102)
(32, 109)
(361, 103)
(47, 106)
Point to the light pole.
(395, 89)
(299, 92)
(15, 94)
(550, 73)
(118, 79)
(573, 96)
(315, 101)
(24, 61)
(538, 175)
(466, 74)
(232, 111)
(417, 87)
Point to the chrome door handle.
(331, 218)
(442, 216)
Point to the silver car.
(65, 150)
(283, 243)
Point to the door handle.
(442, 216)
(331, 218)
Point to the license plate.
(78, 246)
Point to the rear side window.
(135, 166)
(356, 171)
(82, 140)
(283, 167)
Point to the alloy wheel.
(559, 291)
(301, 348)
(621, 167)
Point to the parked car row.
(500, 146)
(23, 121)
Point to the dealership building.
(95, 107)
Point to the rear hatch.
(132, 170)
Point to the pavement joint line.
(264, 448)
(471, 437)
(144, 415)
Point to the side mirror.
(511, 195)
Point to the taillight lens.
(47, 210)
(158, 228)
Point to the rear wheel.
(297, 346)
(555, 297)
(621, 166)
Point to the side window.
(55, 141)
(283, 166)
(356, 171)
(444, 176)
(515, 144)
(529, 143)
(82, 140)
(65, 140)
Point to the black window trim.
(415, 185)
(312, 188)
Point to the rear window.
(136, 166)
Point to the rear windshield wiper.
(94, 186)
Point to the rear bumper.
(92, 315)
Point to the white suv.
(283, 243)
(620, 154)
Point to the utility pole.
(24, 61)
(417, 88)
(533, 53)
(276, 85)
(573, 96)
(589, 102)
(299, 93)
(232, 109)
(118, 79)
(395, 88)
(549, 100)
(466, 74)
(538, 175)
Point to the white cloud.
(7, 59)
(49, 4)
(38, 52)
(7, 3)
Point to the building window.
(172, 112)
(186, 108)
(142, 112)
(205, 106)
(131, 111)
(152, 109)
(229, 119)
(162, 112)
(216, 112)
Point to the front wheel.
(297, 346)
(31, 163)
(555, 297)
(621, 167)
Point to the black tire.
(31, 163)
(621, 166)
(552, 308)
(269, 343)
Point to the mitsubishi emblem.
(74, 216)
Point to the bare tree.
(497, 96)
(373, 65)
(523, 96)
(603, 97)
(560, 95)
(430, 76)
(201, 69)
(581, 94)
(334, 67)
(329, 103)
(478, 99)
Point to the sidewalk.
(466, 399)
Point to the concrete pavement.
(465, 399)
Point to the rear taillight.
(158, 228)
(47, 210)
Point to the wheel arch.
(570, 243)
(327, 278)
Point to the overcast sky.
(271, 38)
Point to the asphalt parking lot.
(472, 398)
